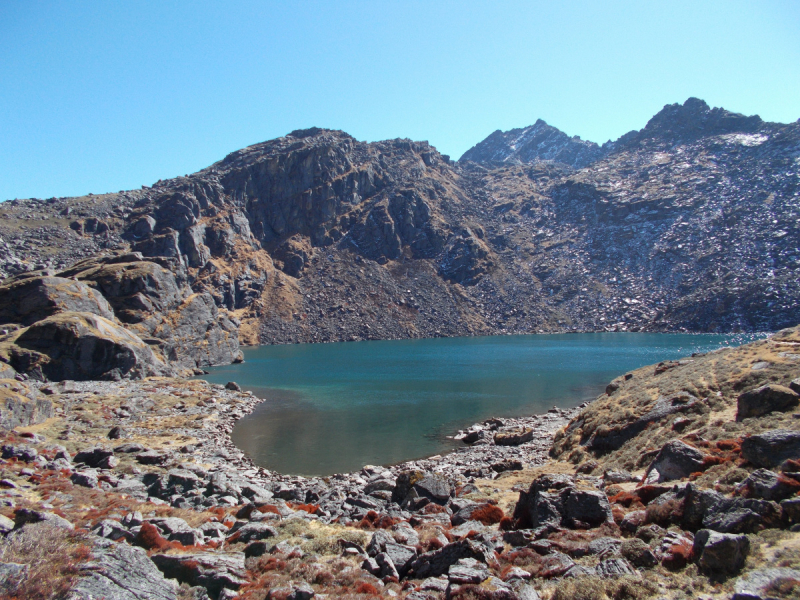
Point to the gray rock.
(435, 488)
(255, 531)
(85, 478)
(513, 438)
(615, 567)
(764, 400)
(25, 516)
(604, 546)
(112, 530)
(19, 410)
(555, 564)
(96, 458)
(26, 300)
(121, 572)
(386, 566)
(213, 571)
(720, 552)
(676, 460)
(438, 562)
(766, 484)
(756, 585)
(402, 556)
(771, 448)
(6, 524)
(639, 553)
(468, 570)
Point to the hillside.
(692, 223)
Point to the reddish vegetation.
(506, 524)
(488, 514)
(268, 508)
(309, 508)
(373, 520)
(677, 556)
(366, 588)
(150, 538)
(628, 500)
(432, 509)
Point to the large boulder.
(557, 501)
(25, 299)
(771, 448)
(213, 571)
(121, 571)
(766, 399)
(154, 304)
(720, 552)
(759, 584)
(81, 346)
(676, 460)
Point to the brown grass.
(594, 588)
(53, 556)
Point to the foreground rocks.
(171, 502)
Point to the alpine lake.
(333, 408)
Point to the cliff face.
(690, 223)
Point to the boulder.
(213, 571)
(768, 485)
(27, 516)
(665, 406)
(676, 460)
(253, 532)
(433, 487)
(120, 571)
(513, 438)
(764, 400)
(438, 562)
(82, 346)
(97, 458)
(761, 583)
(720, 552)
(771, 448)
(555, 500)
(25, 299)
(11, 576)
(638, 553)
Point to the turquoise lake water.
(332, 408)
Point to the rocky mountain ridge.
(691, 224)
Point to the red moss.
(506, 524)
(311, 509)
(150, 538)
(488, 514)
(648, 493)
(268, 508)
(677, 556)
(627, 499)
(618, 514)
(730, 445)
(432, 509)
(366, 588)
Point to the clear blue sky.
(99, 96)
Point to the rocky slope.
(691, 223)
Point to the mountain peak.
(536, 142)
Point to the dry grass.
(53, 556)
(594, 588)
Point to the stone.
(25, 516)
(513, 438)
(757, 584)
(720, 552)
(771, 448)
(435, 488)
(19, 407)
(438, 562)
(604, 546)
(6, 524)
(764, 400)
(766, 484)
(254, 531)
(112, 530)
(96, 458)
(586, 507)
(555, 564)
(118, 571)
(213, 571)
(638, 553)
(615, 567)
(676, 460)
(468, 570)
(387, 569)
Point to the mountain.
(539, 141)
(690, 224)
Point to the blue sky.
(103, 96)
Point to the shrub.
(488, 514)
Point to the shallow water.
(335, 407)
